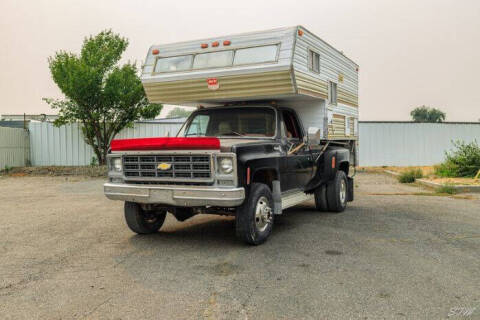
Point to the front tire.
(337, 192)
(141, 221)
(254, 219)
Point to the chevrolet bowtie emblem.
(164, 166)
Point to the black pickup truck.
(264, 163)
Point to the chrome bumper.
(174, 195)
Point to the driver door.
(299, 163)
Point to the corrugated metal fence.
(14, 147)
(381, 143)
(65, 145)
(410, 143)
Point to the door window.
(292, 129)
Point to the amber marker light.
(227, 42)
(155, 51)
(204, 45)
(215, 44)
(300, 33)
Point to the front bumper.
(174, 195)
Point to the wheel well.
(265, 176)
(344, 166)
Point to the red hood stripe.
(165, 144)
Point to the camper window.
(313, 61)
(256, 55)
(213, 59)
(332, 93)
(171, 64)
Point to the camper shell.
(290, 66)
(276, 125)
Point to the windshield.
(231, 122)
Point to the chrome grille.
(183, 167)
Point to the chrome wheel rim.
(263, 214)
(343, 192)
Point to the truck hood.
(141, 144)
(176, 143)
(227, 144)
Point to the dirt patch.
(225, 269)
(87, 171)
(428, 194)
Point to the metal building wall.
(65, 145)
(410, 143)
(381, 143)
(14, 147)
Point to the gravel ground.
(65, 253)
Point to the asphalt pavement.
(395, 253)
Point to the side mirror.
(314, 135)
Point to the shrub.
(94, 162)
(5, 170)
(446, 188)
(410, 176)
(463, 161)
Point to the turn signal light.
(155, 51)
(215, 44)
(204, 45)
(333, 162)
(226, 42)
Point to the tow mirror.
(314, 135)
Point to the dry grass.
(456, 181)
(426, 170)
(428, 174)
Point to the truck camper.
(276, 125)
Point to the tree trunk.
(98, 154)
(104, 156)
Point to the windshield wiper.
(234, 132)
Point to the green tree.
(179, 113)
(427, 114)
(100, 94)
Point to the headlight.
(225, 165)
(117, 164)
